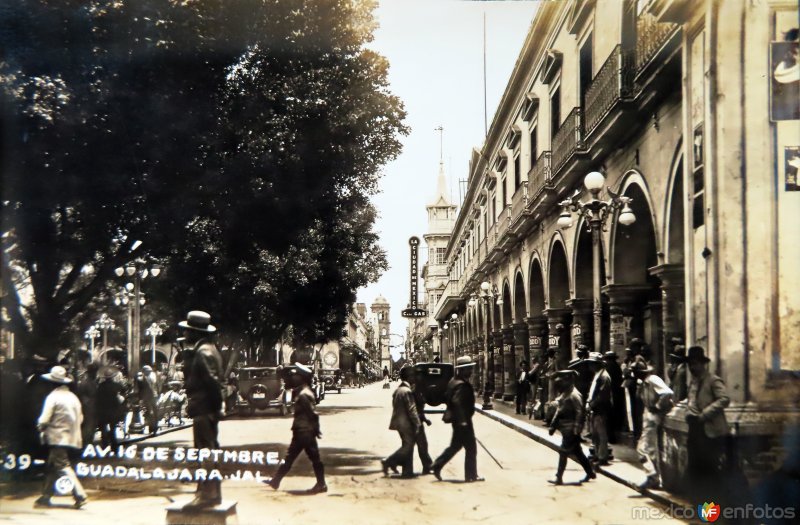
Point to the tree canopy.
(238, 141)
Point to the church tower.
(380, 311)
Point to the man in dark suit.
(202, 365)
(523, 386)
(616, 418)
(305, 428)
(421, 439)
(405, 421)
(598, 406)
(460, 398)
(568, 419)
(705, 414)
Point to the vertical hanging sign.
(413, 309)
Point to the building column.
(673, 302)
(558, 335)
(582, 328)
(537, 337)
(521, 349)
(497, 336)
(509, 368)
(625, 317)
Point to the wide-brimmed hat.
(595, 357)
(696, 353)
(147, 368)
(199, 321)
(108, 372)
(566, 375)
(611, 355)
(175, 382)
(552, 349)
(464, 361)
(58, 374)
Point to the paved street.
(355, 436)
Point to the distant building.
(382, 328)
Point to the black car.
(432, 379)
(332, 379)
(261, 388)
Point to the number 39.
(13, 461)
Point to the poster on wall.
(791, 156)
(785, 78)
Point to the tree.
(235, 139)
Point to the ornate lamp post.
(105, 323)
(91, 334)
(453, 321)
(139, 270)
(488, 388)
(595, 211)
(154, 330)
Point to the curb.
(148, 436)
(664, 498)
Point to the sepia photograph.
(372, 262)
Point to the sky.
(435, 52)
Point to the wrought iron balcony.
(651, 36)
(539, 174)
(567, 140)
(520, 201)
(613, 82)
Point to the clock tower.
(380, 311)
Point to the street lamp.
(105, 323)
(452, 322)
(139, 270)
(595, 211)
(488, 387)
(154, 331)
(91, 334)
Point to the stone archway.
(537, 322)
(508, 345)
(635, 302)
(521, 352)
(559, 315)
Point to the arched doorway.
(559, 315)
(521, 352)
(635, 301)
(537, 322)
(508, 345)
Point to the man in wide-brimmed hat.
(60, 425)
(598, 406)
(305, 427)
(405, 420)
(677, 372)
(460, 398)
(705, 414)
(205, 392)
(568, 419)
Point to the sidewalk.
(624, 467)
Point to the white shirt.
(61, 419)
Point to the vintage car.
(332, 379)
(261, 388)
(432, 379)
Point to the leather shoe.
(437, 471)
(476, 478)
(556, 481)
(407, 476)
(650, 483)
(41, 502)
(80, 502)
(318, 489)
(590, 476)
(426, 471)
(272, 482)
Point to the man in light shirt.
(598, 406)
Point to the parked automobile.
(260, 388)
(332, 379)
(432, 379)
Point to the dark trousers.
(571, 445)
(59, 467)
(463, 436)
(404, 456)
(522, 397)
(206, 429)
(88, 426)
(422, 449)
(302, 440)
(108, 426)
(599, 427)
(705, 456)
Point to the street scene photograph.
(399, 262)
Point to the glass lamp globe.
(594, 181)
(119, 271)
(565, 219)
(155, 270)
(626, 216)
(485, 286)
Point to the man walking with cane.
(405, 421)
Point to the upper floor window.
(534, 145)
(585, 65)
(555, 111)
(439, 255)
(517, 171)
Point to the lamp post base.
(487, 397)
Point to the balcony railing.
(539, 174)
(520, 201)
(651, 36)
(567, 140)
(612, 83)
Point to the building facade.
(690, 114)
(382, 330)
